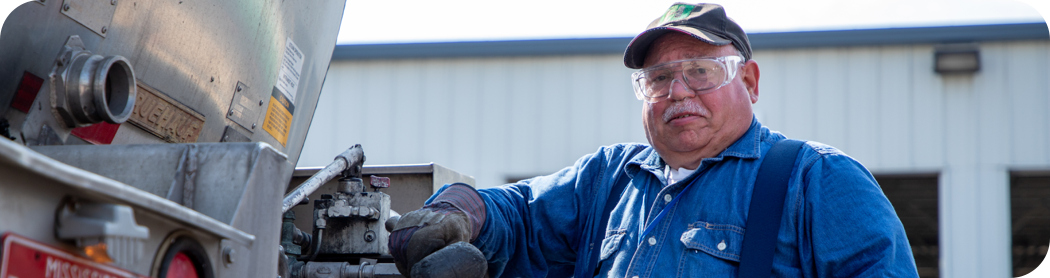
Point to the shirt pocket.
(711, 249)
(611, 243)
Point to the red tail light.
(181, 267)
(183, 258)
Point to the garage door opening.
(914, 198)
(1030, 219)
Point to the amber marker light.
(97, 253)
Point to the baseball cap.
(705, 22)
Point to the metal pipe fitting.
(351, 185)
(99, 89)
(114, 89)
(300, 237)
(350, 159)
(90, 88)
(366, 269)
(355, 159)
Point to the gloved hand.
(457, 214)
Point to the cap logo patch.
(677, 12)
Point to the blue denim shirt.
(837, 221)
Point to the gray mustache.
(680, 107)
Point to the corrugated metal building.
(964, 157)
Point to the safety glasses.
(702, 75)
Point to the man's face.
(685, 126)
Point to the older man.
(684, 205)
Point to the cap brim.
(634, 56)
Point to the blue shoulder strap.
(767, 209)
(762, 228)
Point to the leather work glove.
(455, 215)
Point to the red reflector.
(99, 134)
(181, 267)
(26, 92)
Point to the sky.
(366, 22)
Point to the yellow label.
(278, 121)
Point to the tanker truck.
(147, 138)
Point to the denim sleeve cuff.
(398, 243)
(466, 199)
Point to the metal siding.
(525, 92)
(550, 101)
(759, 42)
(994, 223)
(465, 110)
(959, 255)
(382, 105)
(798, 104)
(492, 133)
(1029, 102)
(991, 101)
(993, 129)
(963, 230)
(492, 118)
(862, 75)
(768, 109)
(927, 99)
(437, 124)
(894, 110)
(620, 110)
(580, 136)
(410, 120)
(882, 105)
(831, 97)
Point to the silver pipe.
(351, 160)
(367, 269)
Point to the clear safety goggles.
(702, 75)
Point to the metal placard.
(96, 15)
(244, 109)
(164, 117)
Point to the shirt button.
(667, 198)
(652, 241)
(722, 245)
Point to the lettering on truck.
(58, 268)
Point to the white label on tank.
(288, 76)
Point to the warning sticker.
(288, 76)
(279, 116)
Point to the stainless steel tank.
(145, 72)
(145, 130)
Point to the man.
(687, 195)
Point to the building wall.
(499, 118)
(491, 118)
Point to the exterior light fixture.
(956, 59)
(106, 233)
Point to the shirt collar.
(748, 146)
